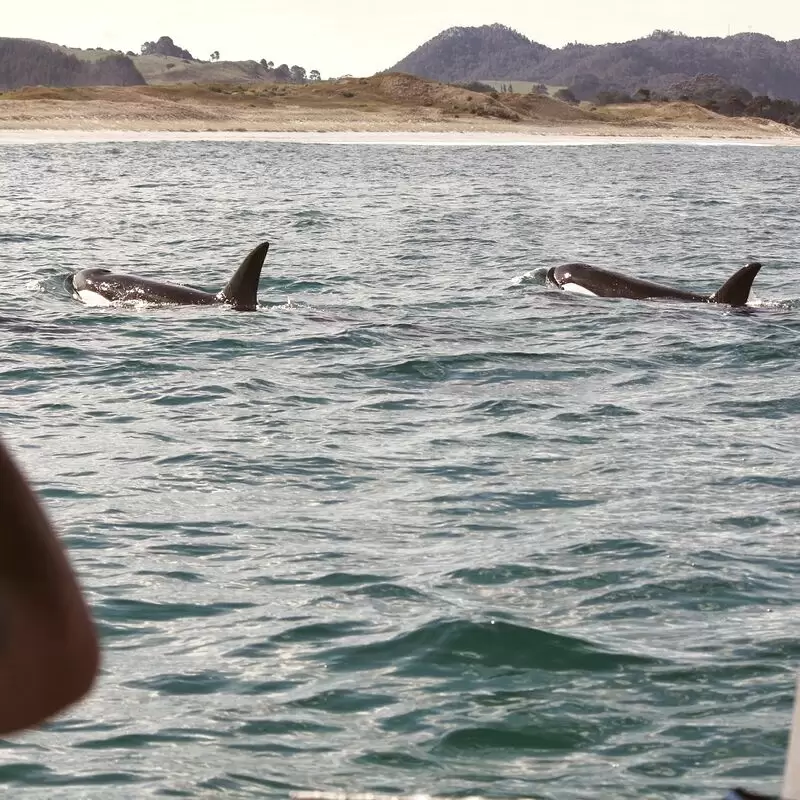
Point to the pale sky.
(361, 37)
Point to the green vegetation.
(477, 86)
(712, 93)
(566, 96)
(521, 87)
(715, 94)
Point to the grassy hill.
(156, 69)
(167, 70)
(153, 69)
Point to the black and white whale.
(103, 287)
(595, 282)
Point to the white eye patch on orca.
(91, 298)
(576, 288)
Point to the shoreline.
(549, 136)
(448, 138)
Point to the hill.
(760, 63)
(25, 62)
(158, 69)
(28, 62)
(469, 54)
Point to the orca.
(585, 279)
(103, 287)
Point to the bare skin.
(49, 655)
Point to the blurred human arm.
(49, 655)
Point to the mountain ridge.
(758, 62)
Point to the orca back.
(586, 279)
(102, 286)
(606, 283)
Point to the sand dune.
(387, 103)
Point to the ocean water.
(421, 523)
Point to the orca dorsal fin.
(241, 291)
(736, 290)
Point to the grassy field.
(167, 70)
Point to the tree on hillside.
(610, 97)
(585, 85)
(214, 56)
(314, 75)
(566, 95)
(665, 34)
(165, 47)
(298, 74)
(476, 86)
(283, 73)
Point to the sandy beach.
(384, 110)
(405, 138)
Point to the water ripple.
(423, 523)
